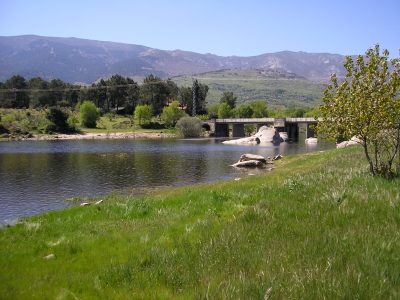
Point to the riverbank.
(318, 226)
(93, 136)
(104, 135)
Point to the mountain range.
(80, 60)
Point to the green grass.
(318, 226)
(250, 85)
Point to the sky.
(242, 28)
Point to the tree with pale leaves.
(366, 104)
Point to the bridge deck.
(265, 120)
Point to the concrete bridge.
(221, 127)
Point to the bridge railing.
(246, 120)
(266, 120)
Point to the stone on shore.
(311, 140)
(352, 142)
(248, 163)
(249, 156)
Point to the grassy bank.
(318, 226)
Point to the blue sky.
(221, 27)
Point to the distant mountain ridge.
(82, 60)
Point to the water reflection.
(39, 176)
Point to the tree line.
(116, 94)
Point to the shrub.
(89, 114)
(171, 114)
(143, 114)
(58, 119)
(224, 111)
(189, 127)
(73, 122)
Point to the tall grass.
(318, 226)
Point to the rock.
(249, 156)
(50, 256)
(277, 157)
(346, 144)
(98, 202)
(264, 135)
(311, 140)
(248, 140)
(268, 135)
(237, 179)
(248, 163)
(352, 142)
(284, 136)
(85, 204)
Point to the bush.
(58, 119)
(189, 127)
(73, 122)
(224, 111)
(171, 114)
(143, 114)
(89, 114)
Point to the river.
(37, 176)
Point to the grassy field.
(316, 227)
(280, 90)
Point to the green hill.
(278, 87)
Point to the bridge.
(220, 127)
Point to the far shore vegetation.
(36, 106)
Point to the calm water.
(37, 176)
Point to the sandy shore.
(91, 136)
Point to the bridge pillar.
(309, 131)
(221, 130)
(238, 130)
(292, 130)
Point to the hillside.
(81, 60)
(278, 87)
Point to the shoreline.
(92, 136)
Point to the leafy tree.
(155, 92)
(366, 104)
(213, 110)
(132, 97)
(224, 111)
(171, 114)
(15, 97)
(58, 119)
(56, 92)
(228, 98)
(38, 93)
(189, 127)
(89, 114)
(117, 91)
(143, 114)
(259, 108)
(244, 111)
(173, 89)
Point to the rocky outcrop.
(264, 135)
